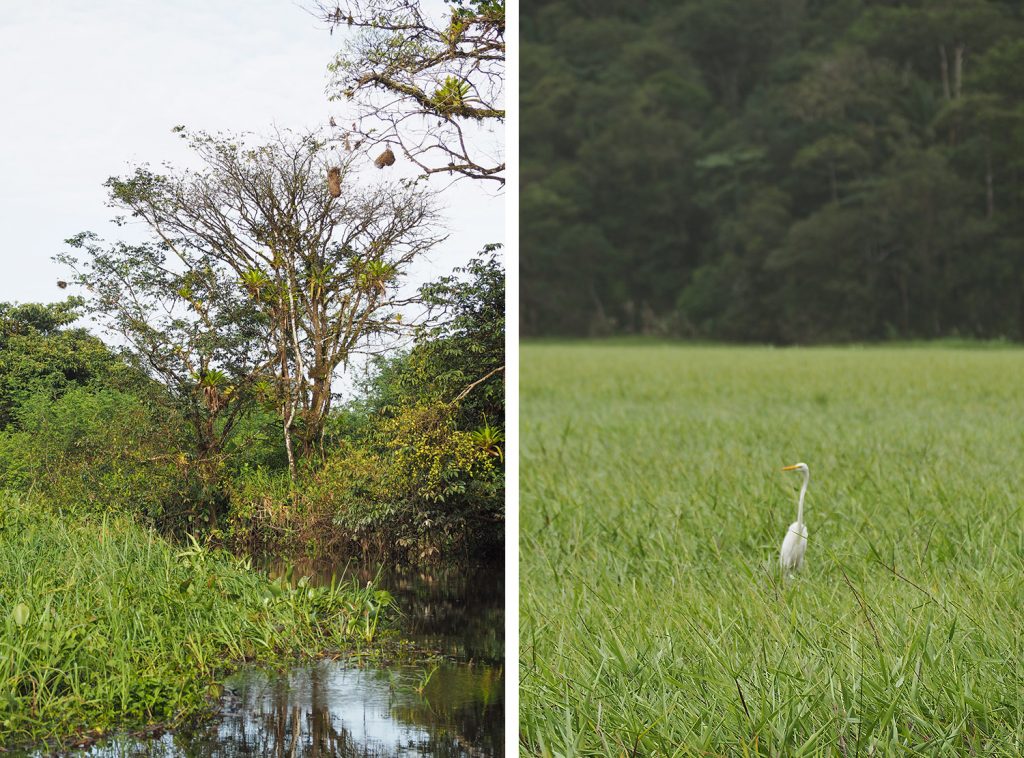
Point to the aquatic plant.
(106, 625)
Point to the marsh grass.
(654, 619)
(106, 625)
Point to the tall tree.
(318, 255)
(186, 321)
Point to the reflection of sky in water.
(333, 709)
(362, 705)
(359, 707)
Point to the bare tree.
(321, 270)
(434, 89)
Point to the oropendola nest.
(334, 181)
(387, 158)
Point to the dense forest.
(788, 171)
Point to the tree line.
(773, 170)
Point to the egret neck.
(803, 491)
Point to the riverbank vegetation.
(108, 623)
(104, 623)
(258, 288)
(413, 467)
(213, 408)
(654, 619)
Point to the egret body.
(794, 545)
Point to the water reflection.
(457, 611)
(452, 707)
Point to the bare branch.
(421, 83)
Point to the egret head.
(801, 467)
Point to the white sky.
(90, 87)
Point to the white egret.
(795, 542)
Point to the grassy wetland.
(654, 618)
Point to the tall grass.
(654, 619)
(106, 625)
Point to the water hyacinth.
(105, 624)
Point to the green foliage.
(471, 8)
(98, 451)
(40, 354)
(464, 344)
(435, 461)
(489, 439)
(80, 424)
(181, 316)
(451, 95)
(417, 462)
(654, 619)
(414, 484)
(107, 626)
(772, 171)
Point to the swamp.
(265, 372)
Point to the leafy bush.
(41, 354)
(96, 451)
(415, 484)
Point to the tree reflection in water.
(330, 709)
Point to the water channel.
(449, 702)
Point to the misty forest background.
(773, 170)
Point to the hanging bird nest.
(62, 284)
(334, 181)
(387, 158)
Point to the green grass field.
(654, 618)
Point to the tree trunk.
(289, 417)
(944, 63)
(958, 69)
(990, 195)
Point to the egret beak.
(791, 468)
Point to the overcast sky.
(90, 87)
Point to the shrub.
(96, 451)
(415, 485)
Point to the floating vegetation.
(106, 625)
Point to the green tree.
(41, 353)
(458, 357)
(185, 320)
(319, 271)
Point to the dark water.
(452, 705)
